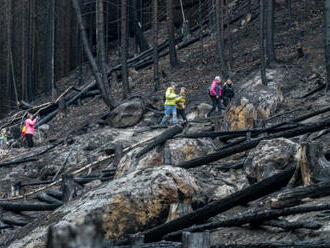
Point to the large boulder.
(255, 101)
(127, 205)
(173, 152)
(127, 114)
(269, 157)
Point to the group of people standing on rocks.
(219, 92)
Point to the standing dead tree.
(170, 27)
(327, 42)
(123, 48)
(155, 41)
(262, 48)
(107, 98)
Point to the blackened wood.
(155, 44)
(318, 88)
(170, 29)
(193, 240)
(162, 244)
(327, 42)
(15, 222)
(291, 197)
(108, 99)
(62, 165)
(68, 187)
(298, 244)
(261, 43)
(18, 206)
(55, 193)
(244, 196)
(254, 218)
(232, 166)
(124, 48)
(42, 196)
(284, 224)
(167, 134)
(118, 155)
(225, 152)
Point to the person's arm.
(170, 94)
(213, 89)
(31, 123)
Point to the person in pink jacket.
(215, 94)
(29, 133)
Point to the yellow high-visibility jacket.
(170, 97)
(181, 101)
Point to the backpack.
(209, 90)
(24, 131)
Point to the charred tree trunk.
(220, 49)
(200, 240)
(230, 42)
(298, 244)
(288, 4)
(101, 52)
(155, 41)
(252, 218)
(200, 23)
(23, 51)
(123, 49)
(261, 42)
(327, 42)
(244, 196)
(50, 84)
(170, 28)
(107, 98)
(271, 61)
(69, 188)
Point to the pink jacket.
(30, 126)
(215, 87)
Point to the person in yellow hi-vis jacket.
(181, 104)
(170, 104)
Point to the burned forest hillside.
(99, 166)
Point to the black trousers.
(182, 113)
(29, 139)
(216, 103)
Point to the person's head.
(229, 82)
(174, 85)
(183, 90)
(30, 116)
(3, 131)
(217, 79)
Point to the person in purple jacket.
(215, 95)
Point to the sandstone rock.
(124, 206)
(269, 157)
(127, 114)
(199, 111)
(254, 101)
(180, 150)
(240, 117)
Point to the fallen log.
(2, 227)
(192, 240)
(42, 196)
(28, 156)
(298, 244)
(232, 166)
(292, 197)
(118, 156)
(167, 134)
(225, 152)
(162, 244)
(254, 218)
(244, 196)
(63, 164)
(18, 206)
(15, 222)
(69, 187)
(284, 224)
(318, 88)
(55, 193)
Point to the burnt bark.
(225, 152)
(51, 51)
(244, 196)
(18, 206)
(220, 48)
(69, 188)
(327, 42)
(170, 29)
(42, 196)
(155, 44)
(167, 134)
(292, 197)
(124, 49)
(191, 240)
(261, 42)
(298, 244)
(108, 99)
(270, 47)
(254, 218)
(284, 224)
